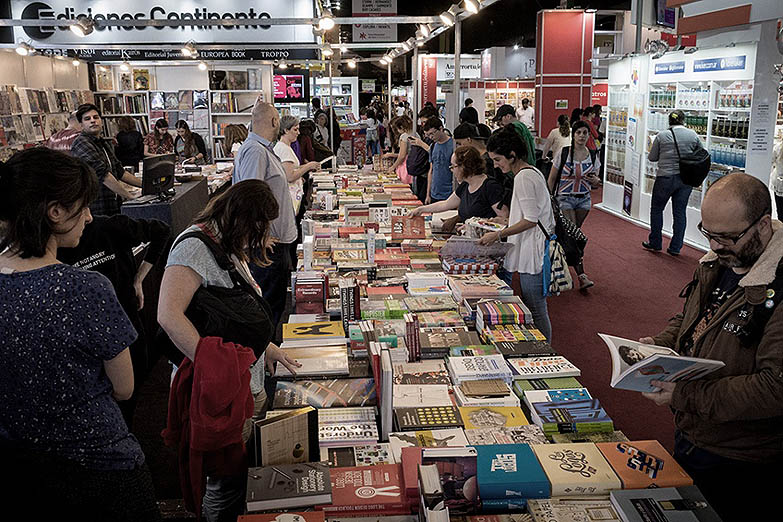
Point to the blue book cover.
(507, 471)
(584, 416)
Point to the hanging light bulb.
(326, 22)
(24, 49)
(125, 66)
(202, 66)
(472, 6)
(84, 25)
(75, 62)
(189, 49)
(283, 65)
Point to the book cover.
(324, 361)
(440, 438)
(347, 434)
(290, 438)
(542, 367)
(353, 456)
(309, 331)
(325, 394)
(237, 80)
(126, 81)
(427, 417)
(509, 399)
(576, 469)
(217, 80)
(413, 395)
(472, 350)
(141, 79)
(367, 489)
(431, 303)
(683, 504)
(405, 227)
(347, 415)
(157, 100)
(171, 100)
(581, 416)
(446, 337)
(525, 348)
(492, 416)
(548, 383)
(288, 486)
(530, 434)
(609, 436)
(309, 516)
(572, 509)
(560, 395)
(635, 364)
(644, 464)
(458, 468)
(510, 471)
(421, 372)
(200, 100)
(476, 368)
(104, 79)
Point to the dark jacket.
(198, 141)
(98, 153)
(737, 411)
(130, 148)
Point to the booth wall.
(41, 71)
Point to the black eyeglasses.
(452, 167)
(725, 240)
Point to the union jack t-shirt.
(572, 180)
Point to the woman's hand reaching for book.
(274, 354)
(647, 340)
(663, 397)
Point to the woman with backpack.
(575, 172)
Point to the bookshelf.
(229, 107)
(115, 104)
(30, 116)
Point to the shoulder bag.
(238, 314)
(570, 236)
(693, 170)
(557, 277)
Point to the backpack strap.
(563, 156)
(761, 313)
(676, 147)
(223, 261)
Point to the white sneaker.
(584, 282)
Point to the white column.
(331, 119)
(457, 71)
(389, 87)
(415, 73)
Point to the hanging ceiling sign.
(255, 13)
(108, 55)
(374, 32)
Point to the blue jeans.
(574, 202)
(665, 188)
(532, 294)
(224, 498)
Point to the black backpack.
(417, 162)
(693, 170)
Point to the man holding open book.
(729, 435)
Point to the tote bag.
(402, 172)
(557, 277)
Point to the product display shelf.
(227, 107)
(616, 135)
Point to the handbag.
(694, 170)
(557, 277)
(570, 236)
(238, 314)
(402, 173)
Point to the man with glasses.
(440, 181)
(729, 425)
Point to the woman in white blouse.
(289, 131)
(530, 205)
(558, 138)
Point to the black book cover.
(427, 418)
(525, 348)
(288, 486)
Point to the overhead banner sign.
(470, 67)
(429, 82)
(374, 32)
(107, 55)
(732, 63)
(253, 12)
(670, 68)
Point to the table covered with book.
(425, 390)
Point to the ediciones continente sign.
(255, 12)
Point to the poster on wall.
(631, 136)
(141, 79)
(561, 105)
(289, 87)
(628, 198)
(374, 32)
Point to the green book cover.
(551, 383)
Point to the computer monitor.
(158, 174)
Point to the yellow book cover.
(476, 417)
(576, 468)
(305, 331)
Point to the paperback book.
(560, 395)
(347, 434)
(316, 361)
(580, 416)
(683, 504)
(576, 469)
(289, 438)
(530, 434)
(542, 367)
(288, 486)
(413, 395)
(644, 464)
(565, 438)
(421, 372)
(473, 350)
(547, 383)
(458, 468)
(427, 417)
(573, 509)
(372, 490)
(635, 364)
(525, 349)
(492, 417)
(441, 438)
(510, 471)
(480, 367)
(352, 456)
(325, 393)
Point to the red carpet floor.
(635, 293)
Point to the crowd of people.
(75, 350)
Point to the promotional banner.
(374, 32)
(599, 93)
(470, 67)
(429, 81)
(99, 10)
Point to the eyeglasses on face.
(725, 239)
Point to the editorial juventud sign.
(255, 13)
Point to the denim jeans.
(665, 188)
(224, 498)
(532, 294)
(274, 280)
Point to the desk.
(190, 198)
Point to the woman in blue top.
(64, 357)
(575, 171)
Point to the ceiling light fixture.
(283, 65)
(24, 49)
(84, 25)
(425, 30)
(189, 49)
(472, 6)
(516, 46)
(327, 50)
(125, 66)
(326, 22)
(202, 66)
(352, 64)
(449, 17)
(75, 62)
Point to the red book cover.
(309, 292)
(367, 488)
(345, 232)
(411, 458)
(310, 307)
(310, 516)
(384, 290)
(405, 227)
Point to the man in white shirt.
(525, 113)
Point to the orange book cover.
(644, 464)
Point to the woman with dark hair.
(64, 360)
(212, 255)
(188, 145)
(305, 140)
(159, 141)
(576, 115)
(575, 172)
(531, 209)
(294, 170)
(476, 196)
(130, 143)
(234, 136)
(587, 117)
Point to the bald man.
(729, 424)
(255, 159)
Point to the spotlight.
(516, 46)
(591, 11)
(327, 50)
(450, 17)
(385, 60)
(202, 66)
(125, 66)
(425, 30)
(24, 49)
(406, 46)
(75, 62)
(420, 42)
(189, 49)
(84, 25)
(283, 65)
(352, 64)
(472, 6)
(326, 22)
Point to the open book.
(635, 364)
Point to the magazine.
(635, 364)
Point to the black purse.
(570, 236)
(237, 315)
(694, 170)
